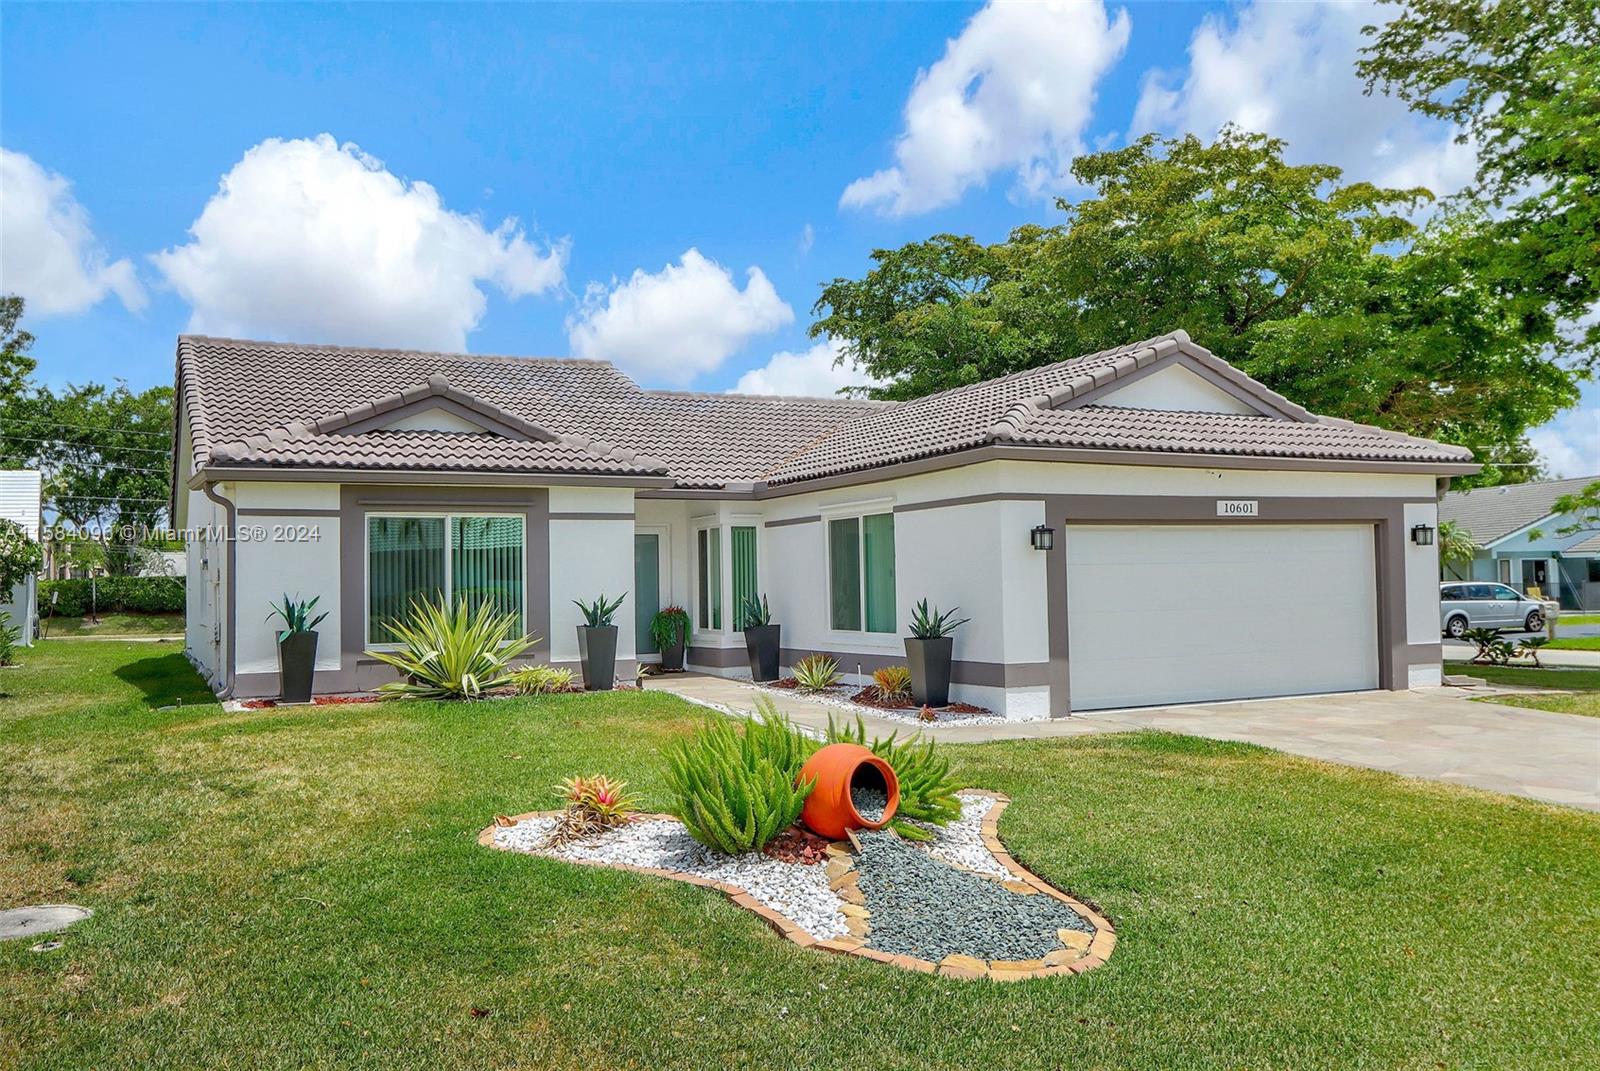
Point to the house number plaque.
(1237, 507)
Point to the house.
(1143, 525)
(20, 498)
(1520, 543)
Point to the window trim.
(449, 554)
(862, 637)
(695, 571)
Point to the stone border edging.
(1079, 952)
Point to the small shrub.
(931, 624)
(927, 791)
(10, 636)
(1529, 649)
(451, 652)
(20, 555)
(892, 682)
(593, 805)
(114, 594)
(734, 785)
(540, 680)
(816, 673)
(1492, 648)
(669, 627)
(601, 612)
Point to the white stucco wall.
(284, 549)
(589, 556)
(1176, 388)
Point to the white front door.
(1162, 614)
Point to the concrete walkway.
(1435, 733)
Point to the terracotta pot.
(829, 810)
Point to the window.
(1480, 591)
(1503, 592)
(708, 542)
(441, 557)
(1449, 593)
(861, 573)
(742, 550)
(1594, 570)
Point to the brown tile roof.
(268, 403)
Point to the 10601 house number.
(1238, 507)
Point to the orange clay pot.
(829, 810)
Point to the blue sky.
(680, 179)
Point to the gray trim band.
(788, 521)
(967, 500)
(287, 512)
(591, 516)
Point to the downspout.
(228, 536)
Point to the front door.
(646, 588)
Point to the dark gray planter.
(672, 658)
(929, 661)
(297, 665)
(597, 647)
(761, 644)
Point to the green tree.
(1521, 79)
(1325, 291)
(1457, 548)
(15, 364)
(1583, 507)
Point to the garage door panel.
(1182, 613)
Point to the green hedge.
(115, 594)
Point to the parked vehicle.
(1470, 605)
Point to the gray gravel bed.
(926, 908)
(798, 891)
(870, 803)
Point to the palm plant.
(1492, 647)
(1529, 649)
(1456, 545)
(601, 612)
(296, 616)
(931, 624)
(452, 652)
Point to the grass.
(1577, 619)
(1583, 683)
(1575, 643)
(1585, 703)
(288, 889)
(118, 625)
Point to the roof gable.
(436, 394)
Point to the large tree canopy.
(1325, 291)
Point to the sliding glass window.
(449, 557)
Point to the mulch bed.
(319, 701)
(798, 845)
(870, 696)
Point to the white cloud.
(1014, 91)
(311, 240)
(48, 252)
(808, 238)
(1570, 445)
(1289, 70)
(809, 374)
(670, 326)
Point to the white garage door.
(1173, 614)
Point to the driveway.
(1437, 733)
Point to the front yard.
(288, 888)
(1583, 686)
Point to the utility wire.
(87, 427)
(69, 442)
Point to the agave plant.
(816, 673)
(754, 612)
(456, 652)
(600, 613)
(296, 615)
(540, 680)
(931, 624)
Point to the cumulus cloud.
(669, 326)
(311, 240)
(1289, 70)
(811, 373)
(1013, 92)
(48, 251)
(1569, 446)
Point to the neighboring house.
(20, 498)
(1520, 542)
(1211, 539)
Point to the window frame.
(862, 637)
(719, 607)
(449, 562)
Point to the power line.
(117, 468)
(69, 442)
(88, 427)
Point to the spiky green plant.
(927, 791)
(296, 615)
(931, 624)
(734, 783)
(892, 681)
(754, 612)
(10, 636)
(540, 680)
(816, 673)
(456, 652)
(599, 614)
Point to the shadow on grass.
(166, 680)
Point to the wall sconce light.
(1422, 535)
(1043, 537)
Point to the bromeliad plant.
(296, 616)
(600, 613)
(931, 624)
(927, 791)
(447, 652)
(816, 673)
(734, 785)
(593, 805)
(892, 682)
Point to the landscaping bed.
(896, 708)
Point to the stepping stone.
(19, 922)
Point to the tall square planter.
(297, 666)
(929, 661)
(761, 644)
(597, 650)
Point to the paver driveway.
(1437, 733)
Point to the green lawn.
(295, 889)
(119, 625)
(1583, 683)
(1576, 619)
(1575, 643)
(1585, 703)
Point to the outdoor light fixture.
(1043, 537)
(1422, 535)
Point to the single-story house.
(1143, 525)
(20, 499)
(1520, 543)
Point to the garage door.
(1174, 614)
